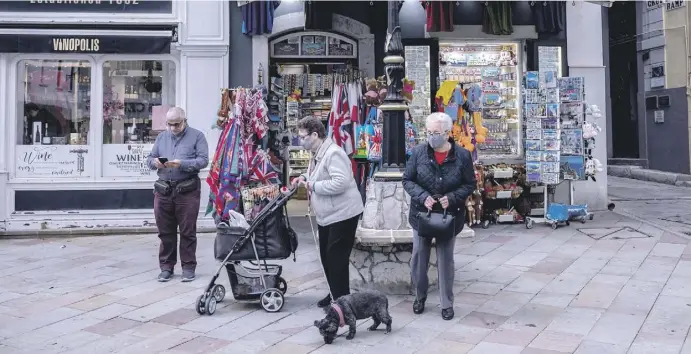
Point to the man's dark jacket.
(424, 177)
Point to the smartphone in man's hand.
(163, 160)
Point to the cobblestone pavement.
(665, 206)
(613, 285)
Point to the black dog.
(349, 308)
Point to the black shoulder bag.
(435, 224)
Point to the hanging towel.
(548, 16)
(497, 18)
(439, 15)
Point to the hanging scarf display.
(497, 18)
(238, 160)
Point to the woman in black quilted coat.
(438, 175)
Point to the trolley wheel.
(568, 223)
(591, 216)
(282, 285)
(485, 224)
(219, 292)
(583, 220)
(272, 300)
(554, 226)
(200, 305)
(210, 305)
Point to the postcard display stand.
(554, 143)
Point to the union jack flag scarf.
(340, 126)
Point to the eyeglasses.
(437, 133)
(175, 125)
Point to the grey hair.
(176, 113)
(313, 125)
(445, 119)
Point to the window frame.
(100, 61)
(95, 135)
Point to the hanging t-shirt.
(548, 16)
(258, 17)
(439, 15)
(497, 18)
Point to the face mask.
(309, 142)
(436, 141)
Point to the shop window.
(136, 97)
(53, 110)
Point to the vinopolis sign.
(88, 6)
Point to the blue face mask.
(436, 141)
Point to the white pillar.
(204, 69)
(585, 58)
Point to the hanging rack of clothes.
(240, 158)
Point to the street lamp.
(394, 106)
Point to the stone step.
(644, 174)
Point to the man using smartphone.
(178, 155)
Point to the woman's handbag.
(434, 224)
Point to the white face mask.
(309, 142)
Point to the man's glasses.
(175, 125)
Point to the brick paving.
(517, 291)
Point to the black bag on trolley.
(273, 239)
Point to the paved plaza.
(613, 285)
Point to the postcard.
(551, 167)
(572, 167)
(550, 145)
(550, 134)
(550, 156)
(533, 155)
(550, 123)
(533, 123)
(532, 167)
(550, 178)
(551, 95)
(548, 79)
(534, 177)
(533, 145)
(532, 80)
(533, 134)
(552, 110)
(572, 141)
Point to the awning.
(89, 41)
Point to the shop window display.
(53, 110)
(136, 97)
(54, 102)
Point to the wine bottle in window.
(133, 136)
(38, 137)
(46, 137)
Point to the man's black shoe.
(447, 314)
(419, 306)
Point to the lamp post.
(394, 106)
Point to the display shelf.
(496, 68)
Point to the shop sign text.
(126, 160)
(51, 161)
(75, 44)
(76, 6)
(676, 4)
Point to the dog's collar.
(339, 311)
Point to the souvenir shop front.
(83, 104)
(525, 139)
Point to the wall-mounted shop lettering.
(76, 45)
(88, 6)
(675, 4)
(34, 43)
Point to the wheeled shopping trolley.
(269, 237)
